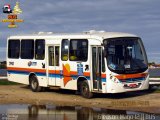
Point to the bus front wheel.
(85, 92)
(34, 84)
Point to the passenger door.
(53, 65)
(96, 67)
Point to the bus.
(88, 62)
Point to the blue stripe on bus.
(88, 78)
(55, 75)
(50, 75)
(40, 74)
(25, 73)
(104, 79)
(18, 72)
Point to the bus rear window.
(13, 48)
(27, 49)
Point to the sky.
(140, 17)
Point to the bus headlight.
(114, 79)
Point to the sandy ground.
(135, 101)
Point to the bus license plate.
(132, 85)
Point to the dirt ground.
(145, 101)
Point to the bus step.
(54, 87)
(97, 91)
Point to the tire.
(34, 84)
(78, 92)
(84, 88)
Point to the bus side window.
(64, 49)
(39, 49)
(27, 49)
(78, 50)
(13, 48)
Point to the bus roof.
(87, 34)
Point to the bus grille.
(132, 80)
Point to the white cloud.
(2, 53)
(153, 53)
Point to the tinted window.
(78, 50)
(125, 55)
(103, 62)
(64, 50)
(51, 55)
(39, 49)
(56, 55)
(27, 49)
(13, 48)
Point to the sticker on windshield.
(112, 66)
(127, 66)
(111, 50)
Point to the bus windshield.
(125, 55)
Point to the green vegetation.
(3, 65)
(157, 91)
(154, 76)
(154, 89)
(151, 63)
(6, 82)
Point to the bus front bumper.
(126, 87)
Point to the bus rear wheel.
(34, 84)
(84, 88)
